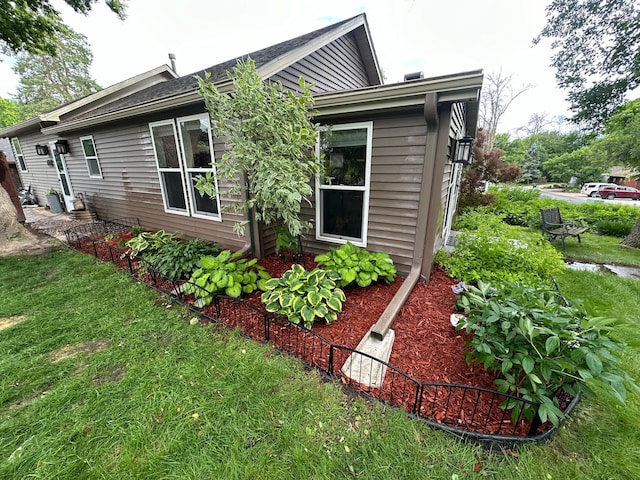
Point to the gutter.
(382, 326)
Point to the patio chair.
(554, 226)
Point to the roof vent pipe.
(413, 76)
(172, 57)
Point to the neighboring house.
(5, 146)
(623, 176)
(396, 187)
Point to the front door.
(63, 177)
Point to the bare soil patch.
(73, 350)
(9, 322)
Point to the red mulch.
(426, 347)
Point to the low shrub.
(177, 260)
(146, 245)
(494, 252)
(614, 228)
(537, 343)
(355, 265)
(303, 297)
(227, 272)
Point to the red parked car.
(619, 192)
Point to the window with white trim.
(183, 149)
(91, 156)
(17, 150)
(342, 192)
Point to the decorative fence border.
(466, 411)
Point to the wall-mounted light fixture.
(62, 146)
(463, 150)
(42, 149)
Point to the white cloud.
(409, 35)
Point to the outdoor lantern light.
(62, 146)
(42, 150)
(463, 150)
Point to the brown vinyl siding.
(39, 175)
(130, 186)
(336, 66)
(397, 158)
(451, 174)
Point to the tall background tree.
(596, 56)
(597, 60)
(34, 25)
(46, 82)
(9, 112)
(497, 96)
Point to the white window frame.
(17, 151)
(189, 195)
(91, 157)
(189, 170)
(339, 239)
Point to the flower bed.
(427, 374)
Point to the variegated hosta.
(304, 297)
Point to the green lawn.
(103, 379)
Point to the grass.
(597, 249)
(156, 397)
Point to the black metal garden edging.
(466, 411)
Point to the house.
(132, 153)
(623, 176)
(5, 146)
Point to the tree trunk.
(633, 239)
(9, 226)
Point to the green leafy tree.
(620, 144)
(585, 164)
(596, 56)
(9, 112)
(34, 25)
(270, 140)
(47, 82)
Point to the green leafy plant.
(110, 236)
(177, 260)
(287, 245)
(356, 265)
(537, 343)
(148, 244)
(227, 272)
(137, 230)
(495, 251)
(303, 297)
(614, 228)
(270, 139)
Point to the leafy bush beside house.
(538, 342)
(495, 252)
(356, 265)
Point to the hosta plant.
(226, 273)
(356, 265)
(536, 343)
(148, 244)
(304, 297)
(176, 260)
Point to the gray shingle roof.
(188, 83)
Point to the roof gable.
(93, 100)
(269, 61)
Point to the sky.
(437, 37)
